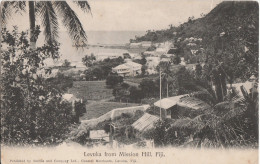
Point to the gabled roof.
(193, 103)
(145, 123)
(122, 66)
(69, 97)
(133, 64)
(182, 100)
(172, 51)
(169, 102)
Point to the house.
(122, 70)
(128, 69)
(181, 106)
(135, 45)
(111, 55)
(149, 53)
(248, 85)
(98, 135)
(72, 99)
(182, 61)
(172, 51)
(69, 97)
(145, 123)
(152, 62)
(146, 44)
(135, 68)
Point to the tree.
(198, 69)
(176, 59)
(143, 60)
(88, 60)
(148, 88)
(97, 73)
(164, 67)
(66, 63)
(48, 10)
(143, 70)
(32, 109)
(112, 80)
(135, 94)
(126, 56)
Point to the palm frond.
(84, 5)
(49, 21)
(71, 21)
(10, 7)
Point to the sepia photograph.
(129, 81)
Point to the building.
(146, 43)
(181, 106)
(135, 45)
(135, 68)
(70, 97)
(121, 70)
(152, 62)
(145, 123)
(98, 135)
(172, 51)
(128, 69)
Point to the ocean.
(67, 51)
(112, 37)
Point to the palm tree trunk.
(32, 25)
(33, 47)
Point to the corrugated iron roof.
(193, 103)
(122, 66)
(169, 102)
(144, 123)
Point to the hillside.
(228, 35)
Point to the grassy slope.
(91, 90)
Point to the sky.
(133, 15)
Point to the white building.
(152, 62)
(135, 68)
(146, 44)
(121, 70)
(135, 45)
(128, 69)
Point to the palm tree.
(165, 68)
(47, 12)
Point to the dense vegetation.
(227, 35)
(99, 70)
(226, 40)
(32, 109)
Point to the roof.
(98, 134)
(122, 66)
(247, 85)
(193, 103)
(169, 102)
(146, 122)
(69, 97)
(172, 51)
(133, 64)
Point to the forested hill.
(231, 14)
(228, 34)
